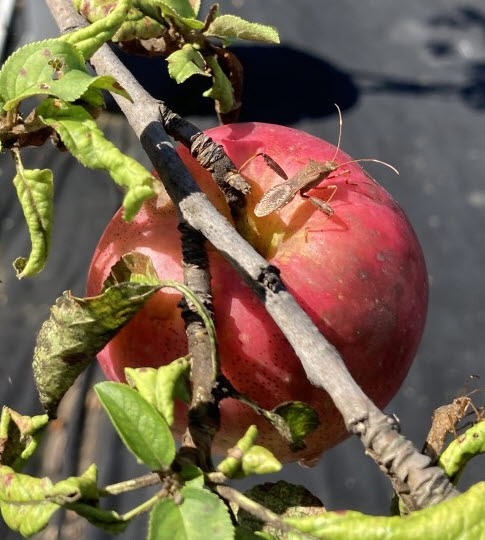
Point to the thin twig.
(418, 483)
(150, 479)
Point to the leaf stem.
(146, 506)
(146, 480)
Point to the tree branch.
(204, 417)
(418, 484)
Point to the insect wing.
(274, 199)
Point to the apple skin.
(360, 275)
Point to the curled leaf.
(27, 503)
(19, 437)
(459, 517)
(259, 460)
(132, 267)
(294, 420)
(89, 39)
(35, 192)
(139, 23)
(161, 386)
(86, 142)
(180, 11)
(76, 331)
(231, 465)
(172, 381)
(143, 380)
(459, 452)
(107, 520)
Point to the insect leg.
(323, 206)
(270, 162)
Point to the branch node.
(269, 279)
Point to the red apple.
(360, 275)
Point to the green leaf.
(460, 517)
(259, 460)
(231, 466)
(201, 515)
(143, 380)
(186, 62)
(221, 91)
(35, 192)
(142, 429)
(39, 68)
(51, 67)
(19, 437)
(459, 452)
(89, 39)
(282, 498)
(23, 501)
(76, 331)
(27, 503)
(230, 26)
(86, 142)
(301, 420)
(172, 381)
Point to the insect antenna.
(339, 131)
(355, 160)
(373, 160)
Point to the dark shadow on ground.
(281, 85)
(284, 85)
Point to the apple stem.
(408, 469)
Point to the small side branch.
(204, 418)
